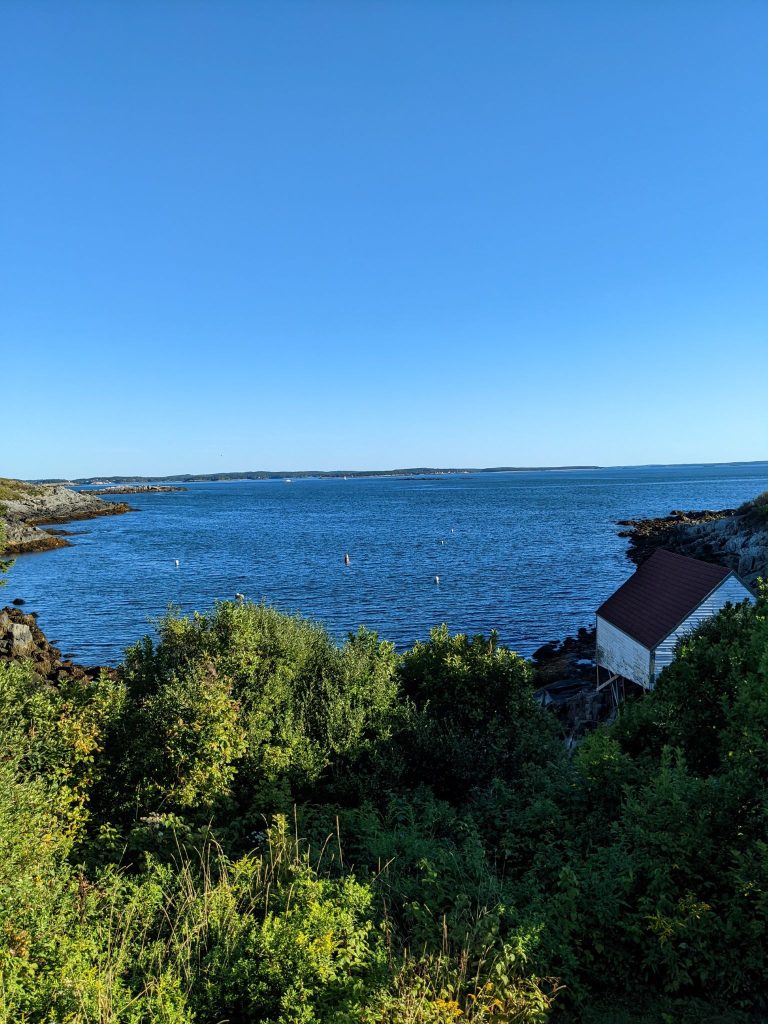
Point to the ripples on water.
(528, 554)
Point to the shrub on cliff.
(247, 705)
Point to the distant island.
(302, 474)
(138, 489)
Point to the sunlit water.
(528, 554)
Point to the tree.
(473, 718)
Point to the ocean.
(529, 554)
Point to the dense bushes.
(255, 824)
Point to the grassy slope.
(13, 490)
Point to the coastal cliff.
(736, 538)
(24, 508)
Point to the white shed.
(668, 597)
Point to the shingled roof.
(662, 594)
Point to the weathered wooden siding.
(729, 590)
(621, 654)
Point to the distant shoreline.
(302, 474)
(356, 474)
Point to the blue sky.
(243, 235)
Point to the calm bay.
(530, 554)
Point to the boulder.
(21, 640)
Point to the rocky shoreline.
(21, 639)
(28, 507)
(736, 538)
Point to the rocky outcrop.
(22, 640)
(572, 658)
(564, 674)
(734, 538)
(30, 507)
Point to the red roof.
(661, 595)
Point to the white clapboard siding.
(729, 590)
(622, 655)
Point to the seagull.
(178, 562)
(437, 580)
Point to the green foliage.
(263, 938)
(57, 733)
(474, 718)
(184, 738)
(674, 875)
(457, 865)
(272, 702)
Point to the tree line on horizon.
(298, 474)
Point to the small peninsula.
(24, 508)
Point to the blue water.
(528, 554)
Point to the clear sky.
(326, 234)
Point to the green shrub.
(756, 510)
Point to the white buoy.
(437, 580)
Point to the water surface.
(528, 554)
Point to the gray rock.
(22, 640)
(46, 504)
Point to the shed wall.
(729, 590)
(619, 653)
